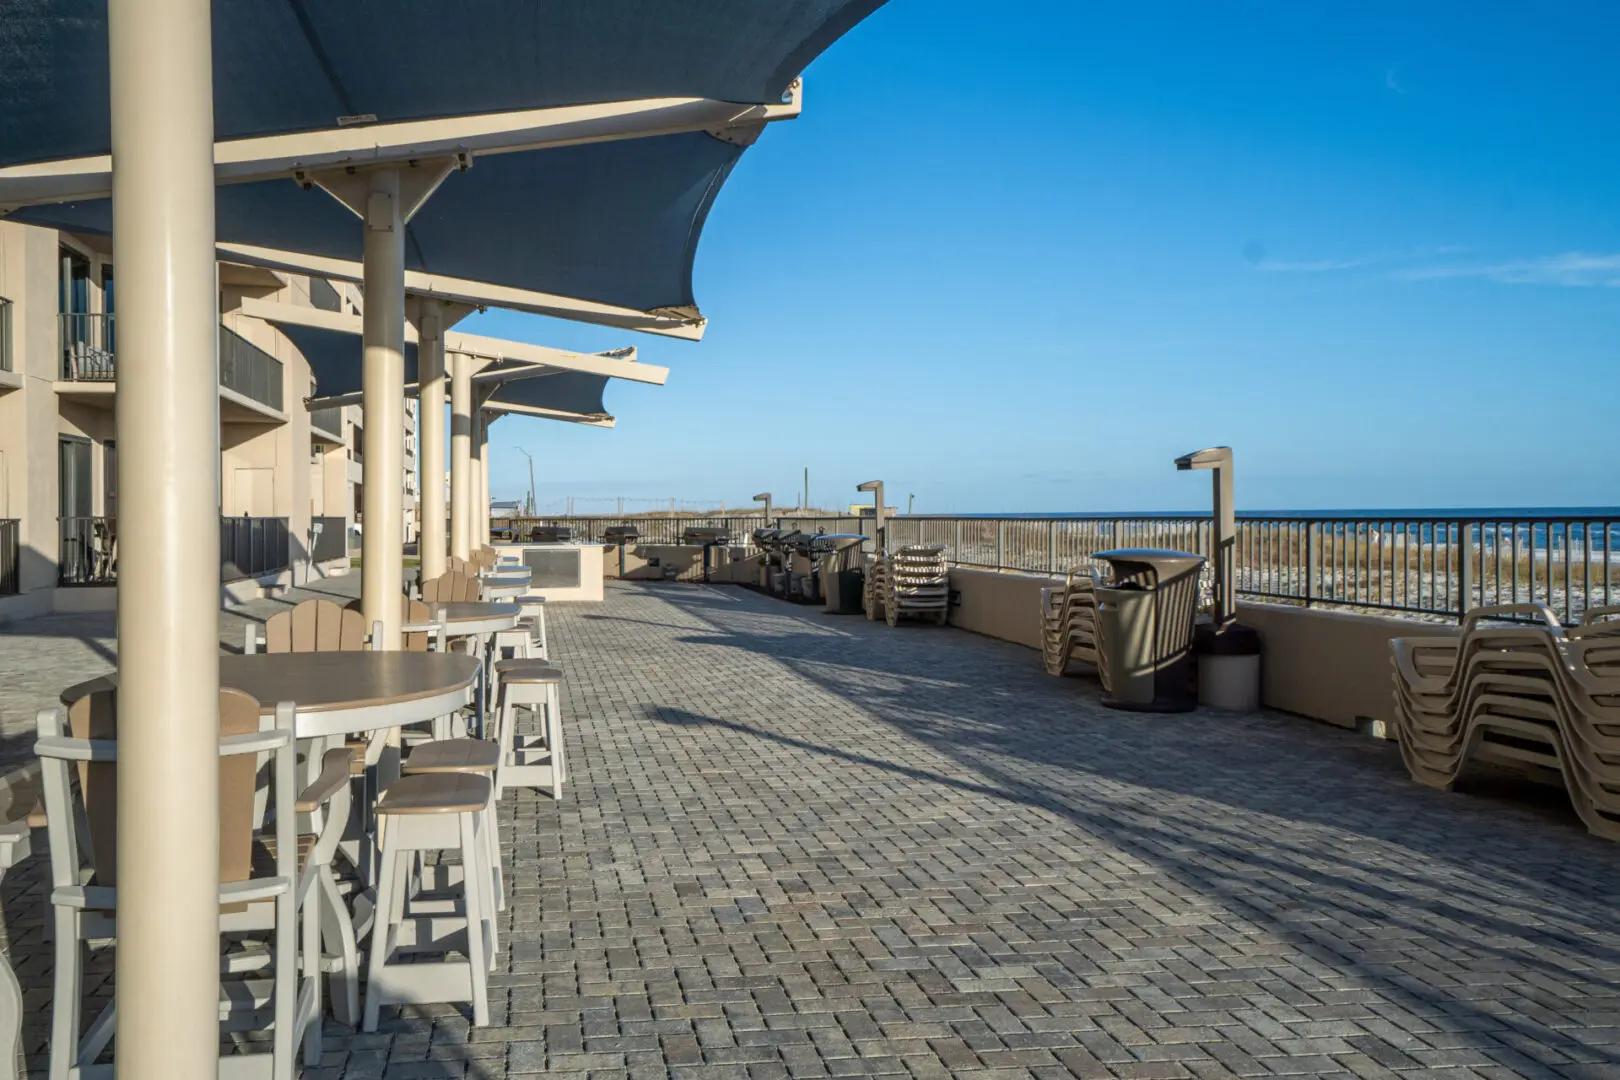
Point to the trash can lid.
(1167, 563)
(1233, 639)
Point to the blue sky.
(1016, 257)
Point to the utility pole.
(532, 502)
(806, 503)
(910, 501)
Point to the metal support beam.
(382, 542)
(167, 977)
(430, 456)
(461, 421)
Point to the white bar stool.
(431, 812)
(478, 757)
(536, 761)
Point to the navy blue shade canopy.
(284, 66)
(336, 358)
(614, 222)
(561, 391)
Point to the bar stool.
(478, 757)
(534, 617)
(431, 812)
(534, 761)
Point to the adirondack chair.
(312, 626)
(272, 879)
(452, 588)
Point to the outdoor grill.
(707, 537)
(621, 536)
(551, 534)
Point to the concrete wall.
(1326, 665)
(1005, 606)
(1330, 665)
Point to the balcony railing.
(248, 547)
(329, 420)
(251, 547)
(88, 551)
(248, 369)
(87, 346)
(332, 542)
(10, 532)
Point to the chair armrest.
(254, 742)
(1540, 611)
(60, 746)
(334, 775)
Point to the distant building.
(867, 510)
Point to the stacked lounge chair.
(917, 585)
(1069, 623)
(1532, 695)
(874, 586)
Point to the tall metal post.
(430, 362)
(383, 398)
(461, 421)
(167, 977)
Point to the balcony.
(250, 379)
(326, 425)
(87, 347)
(248, 370)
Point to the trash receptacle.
(839, 567)
(1145, 627)
(1228, 666)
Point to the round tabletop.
(474, 617)
(341, 692)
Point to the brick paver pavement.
(805, 845)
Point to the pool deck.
(806, 845)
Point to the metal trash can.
(1228, 666)
(1145, 627)
(839, 567)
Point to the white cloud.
(1572, 269)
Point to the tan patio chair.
(312, 626)
(452, 588)
(917, 585)
(294, 875)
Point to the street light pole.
(532, 502)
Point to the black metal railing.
(248, 369)
(331, 542)
(329, 420)
(251, 547)
(1424, 565)
(10, 549)
(1432, 566)
(87, 552)
(87, 346)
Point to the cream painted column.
(167, 976)
(430, 456)
(383, 398)
(478, 510)
(484, 420)
(461, 416)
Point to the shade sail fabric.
(336, 358)
(561, 391)
(283, 66)
(614, 222)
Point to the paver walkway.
(805, 845)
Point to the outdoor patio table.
(342, 693)
(505, 586)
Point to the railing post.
(1313, 539)
(1001, 533)
(956, 544)
(1051, 546)
(1465, 574)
